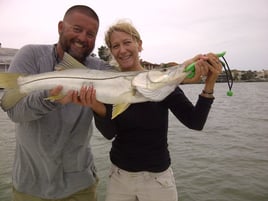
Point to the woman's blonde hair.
(122, 26)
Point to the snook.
(112, 87)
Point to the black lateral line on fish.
(81, 78)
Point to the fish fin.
(140, 80)
(10, 98)
(157, 76)
(68, 62)
(9, 80)
(119, 108)
(156, 94)
(54, 98)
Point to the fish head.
(165, 75)
(158, 78)
(157, 84)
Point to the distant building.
(148, 65)
(6, 56)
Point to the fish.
(121, 89)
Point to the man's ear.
(60, 27)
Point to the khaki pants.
(141, 186)
(88, 194)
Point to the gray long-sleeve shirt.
(53, 158)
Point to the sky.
(171, 30)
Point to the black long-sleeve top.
(140, 133)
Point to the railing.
(4, 67)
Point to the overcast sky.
(171, 30)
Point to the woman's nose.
(122, 48)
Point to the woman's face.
(125, 50)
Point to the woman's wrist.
(207, 93)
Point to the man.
(53, 158)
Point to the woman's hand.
(214, 68)
(208, 66)
(87, 97)
(201, 68)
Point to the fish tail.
(12, 94)
(10, 98)
(9, 80)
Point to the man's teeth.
(78, 45)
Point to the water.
(227, 161)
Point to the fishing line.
(229, 76)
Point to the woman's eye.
(128, 42)
(115, 46)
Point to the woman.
(140, 158)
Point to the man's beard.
(66, 46)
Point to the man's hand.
(57, 92)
